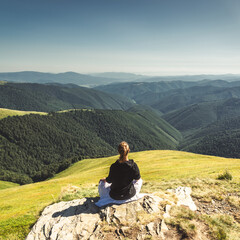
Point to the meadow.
(5, 184)
(20, 206)
(4, 112)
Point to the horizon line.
(134, 73)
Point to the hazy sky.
(158, 37)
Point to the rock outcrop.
(81, 219)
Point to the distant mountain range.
(202, 111)
(96, 79)
(88, 80)
(169, 96)
(226, 77)
(120, 76)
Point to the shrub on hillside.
(225, 176)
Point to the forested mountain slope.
(175, 99)
(135, 89)
(200, 115)
(55, 97)
(35, 147)
(221, 138)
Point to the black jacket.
(121, 175)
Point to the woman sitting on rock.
(124, 181)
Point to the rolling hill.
(221, 138)
(35, 147)
(175, 99)
(119, 76)
(169, 96)
(20, 205)
(95, 79)
(196, 116)
(4, 112)
(136, 89)
(5, 184)
(56, 97)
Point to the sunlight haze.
(152, 37)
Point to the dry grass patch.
(191, 225)
(72, 192)
(204, 189)
(222, 226)
(184, 220)
(144, 218)
(234, 201)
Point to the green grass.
(4, 185)
(4, 112)
(20, 206)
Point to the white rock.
(82, 219)
(183, 195)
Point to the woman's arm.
(109, 177)
(136, 174)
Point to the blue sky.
(155, 37)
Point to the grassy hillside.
(34, 147)
(4, 112)
(4, 185)
(56, 97)
(20, 206)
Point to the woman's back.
(121, 176)
(124, 180)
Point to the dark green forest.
(221, 138)
(35, 147)
(194, 117)
(167, 96)
(56, 97)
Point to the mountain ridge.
(56, 97)
(94, 79)
(35, 147)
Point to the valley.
(205, 112)
(35, 147)
(57, 140)
(84, 84)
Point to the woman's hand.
(103, 179)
